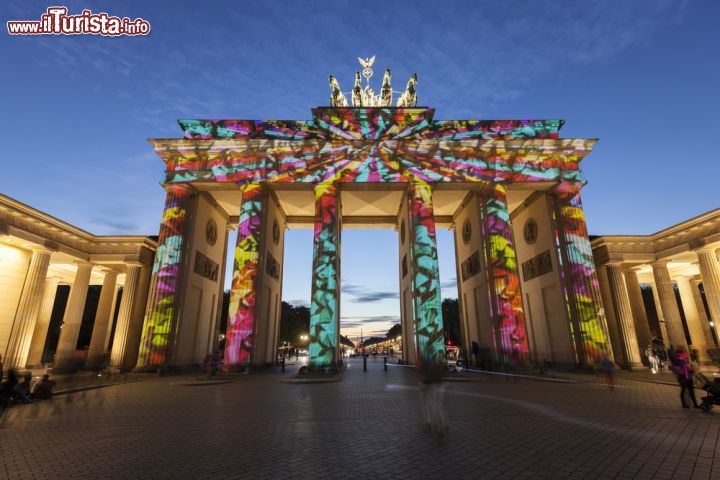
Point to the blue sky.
(642, 76)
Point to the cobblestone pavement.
(366, 426)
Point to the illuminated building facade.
(510, 190)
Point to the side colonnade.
(38, 255)
(664, 288)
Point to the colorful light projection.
(580, 280)
(160, 318)
(376, 145)
(429, 337)
(508, 322)
(372, 145)
(243, 291)
(324, 309)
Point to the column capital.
(613, 263)
(83, 263)
(659, 263)
(705, 249)
(178, 187)
(682, 277)
(41, 249)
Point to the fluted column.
(668, 303)
(27, 310)
(710, 273)
(244, 294)
(103, 318)
(65, 361)
(37, 346)
(612, 323)
(623, 313)
(119, 355)
(160, 323)
(642, 328)
(325, 300)
(503, 279)
(661, 317)
(692, 318)
(425, 281)
(704, 320)
(580, 283)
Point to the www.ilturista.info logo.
(56, 21)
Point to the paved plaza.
(366, 426)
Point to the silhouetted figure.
(607, 367)
(682, 368)
(43, 389)
(431, 374)
(475, 349)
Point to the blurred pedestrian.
(652, 358)
(22, 390)
(431, 373)
(43, 389)
(607, 366)
(475, 349)
(683, 370)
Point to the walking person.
(431, 374)
(682, 368)
(607, 367)
(475, 350)
(652, 358)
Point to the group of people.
(12, 390)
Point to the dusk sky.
(642, 76)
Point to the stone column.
(325, 300)
(580, 281)
(243, 310)
(103, 319)
(503, 279)
(668, 303)
(642, 328)
(65, 361)
(27, 311)
(661, 317)
(113, 309)
(162, 312)
(425, 280)
(37, 346)
(692, 318)
(623, 313)
(609, 306)
(120, 351)
(710, 273)
(704, 320)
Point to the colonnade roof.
(676, 245)
(25, 228)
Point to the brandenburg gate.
(510, 190)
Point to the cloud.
(452, 283)
(361, 294)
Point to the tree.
(294, 321)
(394, 332)
(451, 320)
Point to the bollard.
(283, 364)
(385, 363)
(364, 363)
